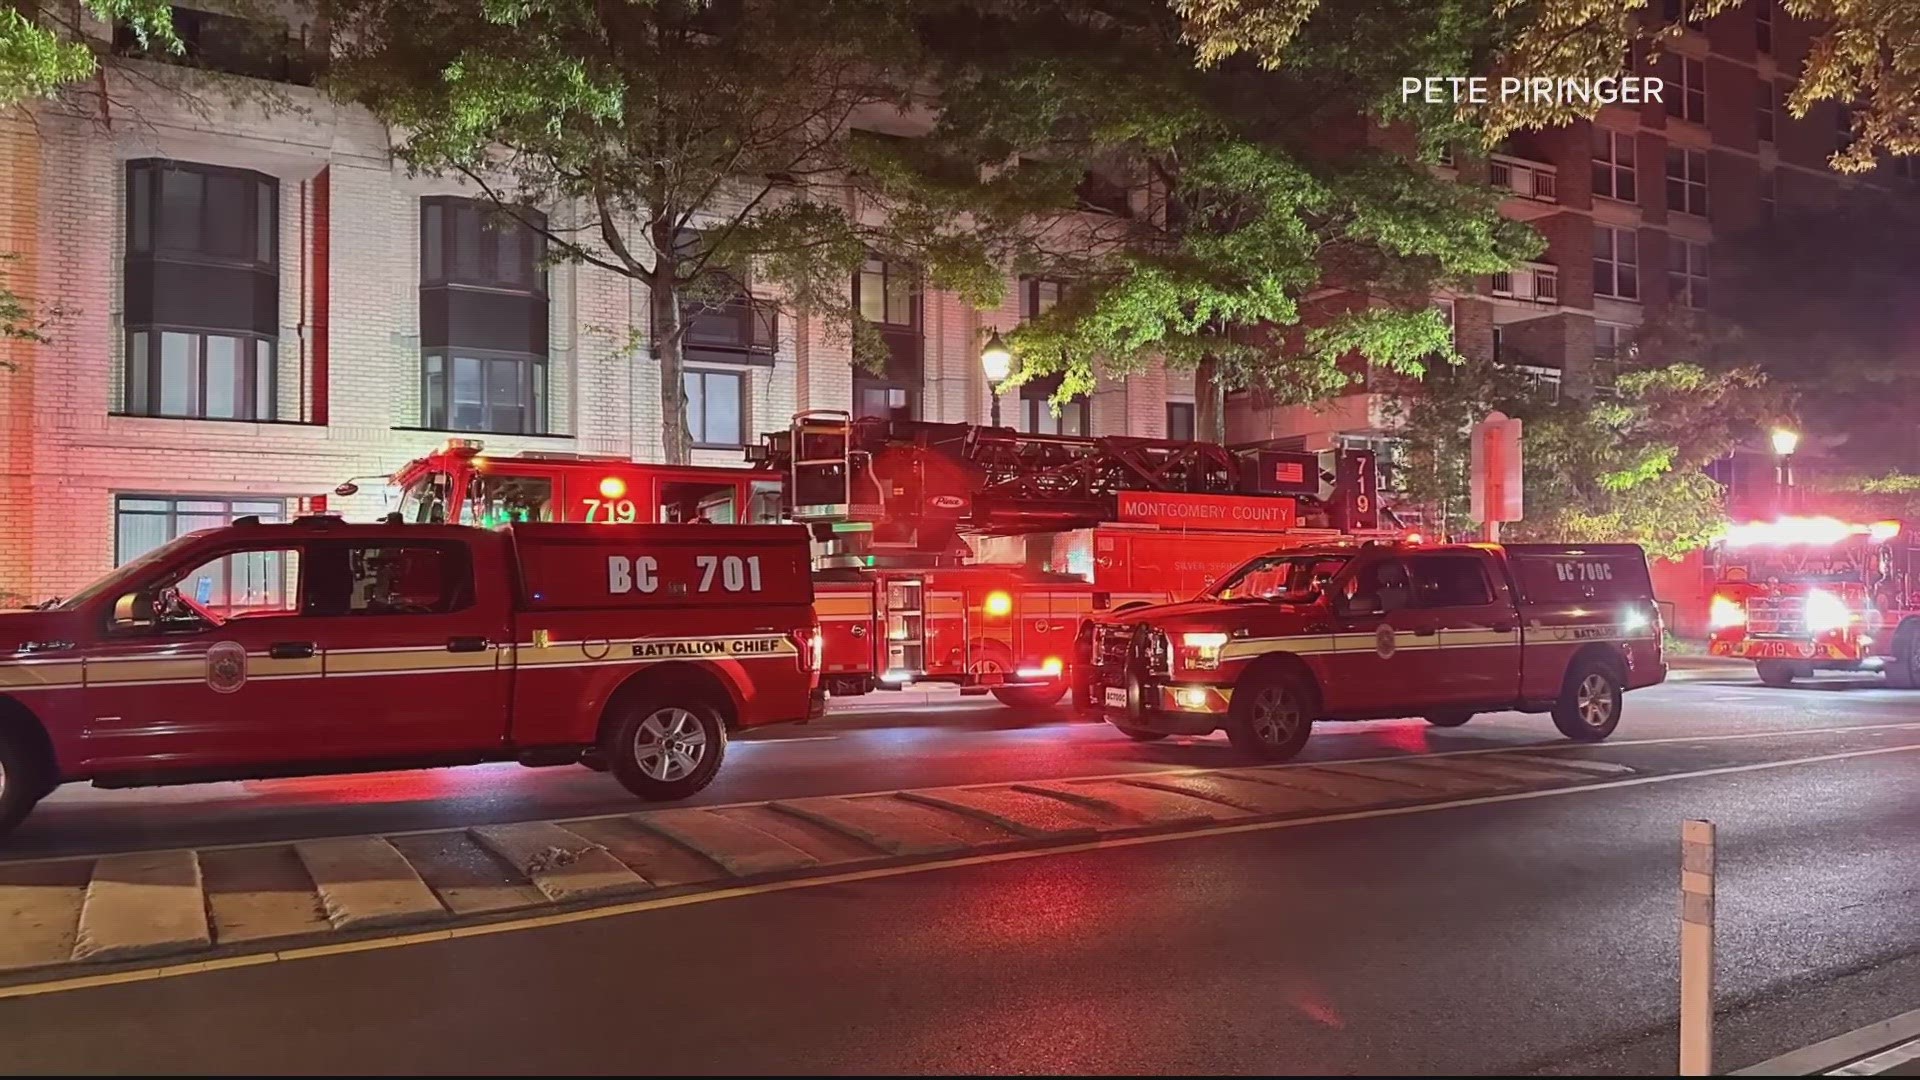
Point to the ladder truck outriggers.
(945, 552)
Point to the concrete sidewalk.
(1888, 1048)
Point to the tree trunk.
(676, 438)
(1210, 402)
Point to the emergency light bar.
(1807, 530)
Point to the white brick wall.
(61, 210)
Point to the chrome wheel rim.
(1594, 701)
(1276, 715)
(670, 744)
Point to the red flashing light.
(613, 487)
(998, 604)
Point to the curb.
(1852, 1054)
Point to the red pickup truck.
(1356, 630)
(325, 647)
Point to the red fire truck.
(322, 647)
(902, 511)
(1800, 594)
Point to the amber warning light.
(613, 487)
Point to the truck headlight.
(1725, 612)
(1201, 651)
(1826, 612)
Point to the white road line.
(1175, 771)
(1883, 1062)
(639, 906)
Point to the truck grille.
(1110, 646)
(1782, 616)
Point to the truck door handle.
(468, 644)
(290, 650)
(1503, 628)
(1424, 631)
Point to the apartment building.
(1630, 205)
(257, 306)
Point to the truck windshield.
(1286, 579)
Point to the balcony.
(739, 330)
(1527, 179)
(1537, 282)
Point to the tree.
(1252, 231)
(1865, 55)
(45, 46)
(701, 143)
(1622, 468)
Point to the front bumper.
(1750, 648)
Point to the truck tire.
(1032, 697)
(1903, 667)
(1139, 734)
(1452, 718)
(1589, 705)
(666, 748)
(1776, 672)
(21, 784)
(1271, 715)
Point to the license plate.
(1771, 649)
(1116, 697)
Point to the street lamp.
(997, 361)
(1785, 442)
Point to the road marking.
(1179, 770)
(635, 907)
(1883, 1062)
(785, 739)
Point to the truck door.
(1386, 652)
(1458, 595)
(216, 665)
(412, 632)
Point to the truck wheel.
(1903, 667)
(21, 785)
(1031, 697)
(1589, 705)
(1453, 718)
(1140, 734)
(663, 749)
(1271, 715)
(1776, 672)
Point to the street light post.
(1785, 442)
(997, 361)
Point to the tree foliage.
(1865, 55)
(1621, 468)
(43, 46)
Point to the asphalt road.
(1527, 936)
(865, 751)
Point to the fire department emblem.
(226, 667)
(1383, 641)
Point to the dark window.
(414, 579)
(1616, 263)
(1036, 410)
(1765, 95)
(1613, 174)
(224, 43)
(1673, 10)
(1384, 583)
(1038, 296)
(1451, 581)
(1687, 181)
(888, 293)
(1180, 420)
(1103, 193)
(1763, 25)
(144, 522)
(505, 395)
(716, 411)
(202, 292)
(874, 398)
(483, 318)
(1685, 94)
(1687, 272)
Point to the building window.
(1687, 181)
(1616, 263)
(503, 395)
(1103, 193)
(1765, 95)
(1446, 155)
(1613, 175)
(1687, 272)
(202, 292)
(1686, 92)
(889, 293)
(1763, 26)
(1180, 420)
(1038, 296)
(144, 522)
(715, 412)
(1611, 347)
(224, 43)
(1673, 11)
(876, 399)
(483, 318)
(1036, 410)
(1769, 194)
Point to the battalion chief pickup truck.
(1358, 630)
(319, 646)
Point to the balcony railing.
(1527, 179)
(742, 324)
(1535, 281)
